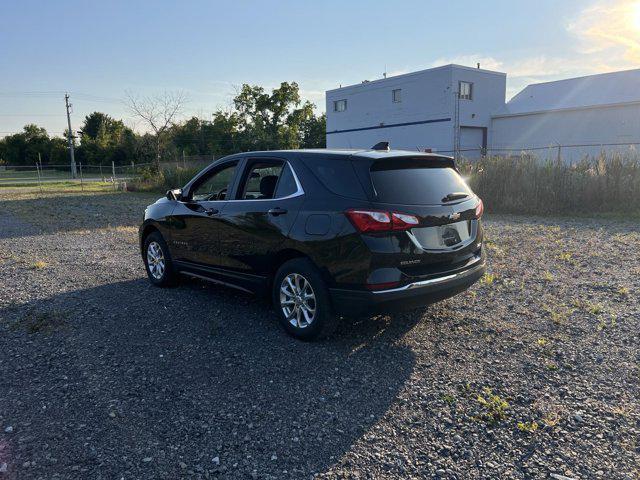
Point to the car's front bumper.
(411, 295)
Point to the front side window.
(465, 90)
(339, 105)
(216, 185)
(396, 95)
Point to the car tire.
(157, 261)
(309, 297)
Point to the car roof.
(357, 153)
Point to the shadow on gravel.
(189, 377)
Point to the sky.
(99, 51)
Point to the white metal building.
(456, 109)
(593, 113)
(417, 110)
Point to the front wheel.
(301, 300)
(157, 260)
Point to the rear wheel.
(301, 300)
(157, 259)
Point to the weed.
(530, 427)
(551, 366)
(542, 341)
(559, 314)
(449, 398)
(565, 256)
(494, 407)
(547, 276)
(602, 324)
(488, 279)
(39, 265)
(622, 291)
(590, 307)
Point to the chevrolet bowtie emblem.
(454, 216)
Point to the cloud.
(607, 38)
(611, 29)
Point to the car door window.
(216, 185)
(261, 180)
(287, 184)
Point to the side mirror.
(174, 194)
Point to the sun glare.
(635, 12)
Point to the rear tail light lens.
(377, 221)
(402, 221)
(479, 209)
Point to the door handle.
(277, 211)
(211, 211)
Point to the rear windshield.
(410, 183)
(337, 175)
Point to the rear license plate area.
(450, 236)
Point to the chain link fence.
(106, 176)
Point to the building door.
(473, 141)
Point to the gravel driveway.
(533, 373)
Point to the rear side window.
(411, 183)
(337, 175)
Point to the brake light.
(378, 221)
(479, 209)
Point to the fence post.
(38, 170)
(81, 179)
(113, 171)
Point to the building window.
(339, 105)
(396, 95)
(465, 90)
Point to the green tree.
(273, 120)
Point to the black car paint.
(238, 242)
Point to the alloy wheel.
(297, 300)
(155, 260)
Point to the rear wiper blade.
(455, 196)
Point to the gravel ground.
(533, 373)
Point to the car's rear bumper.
(412, 295)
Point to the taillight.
(377, 221)
(479, 209)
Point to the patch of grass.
(551, 366)
(622, 291)
(603, 324)
(449, 398)
(565, 256)
(593, 308)
(494, 407)
(41, 322)
(488, 279)
(547, 276)
(39, 265)
(559, 314)
(542, 342)
(529, 427)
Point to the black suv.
(323, 232)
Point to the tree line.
(257, 120)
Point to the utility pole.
(70, 137)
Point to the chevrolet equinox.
(324, 233)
